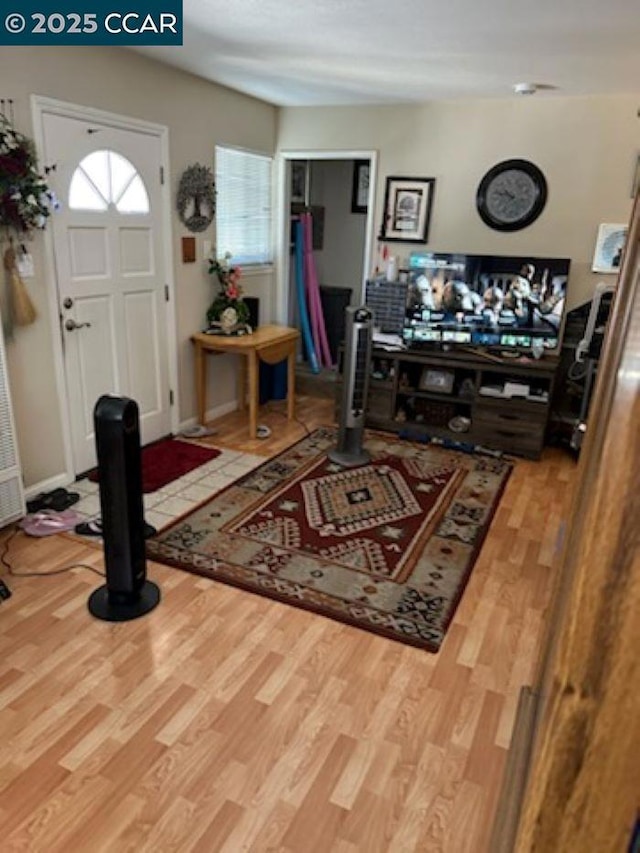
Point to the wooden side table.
(270, 344)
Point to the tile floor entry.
(180, 496)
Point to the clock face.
(511, 195)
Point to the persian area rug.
(387, 546)
(167, 460)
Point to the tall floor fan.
(127, 593)
(349, 451)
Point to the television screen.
(485, 300)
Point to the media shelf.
(430, 395)
(505, 402)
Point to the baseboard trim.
(211, 414)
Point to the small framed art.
(300, 182)
(360, 188)
(407, 209)
(609, 248)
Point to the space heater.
(349, 451)
(127, 593)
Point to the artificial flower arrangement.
(228, 310)
(26, 201)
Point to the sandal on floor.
(149, 530)
(40, 502)
(89, 528)
(94, 528)
(198, 431)
(58, 500)
(46, 522)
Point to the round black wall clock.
(511, 195)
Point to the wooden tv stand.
(420, 392)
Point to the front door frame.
(39, 106)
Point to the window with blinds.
(243, 206)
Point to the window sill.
(250, 270)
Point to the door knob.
(70, 325)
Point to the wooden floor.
(225, 721)
(232, 433)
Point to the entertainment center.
(465, 348)
(501, 403)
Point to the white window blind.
(243, 206)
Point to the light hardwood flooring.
(225, 721)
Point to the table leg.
(252, 357)
(201, 382)
(291, 381)
(242, 384)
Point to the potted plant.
(228, 313)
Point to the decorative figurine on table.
(228, 324)
(228, 314)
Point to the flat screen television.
(493, 301)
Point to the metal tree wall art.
(196, 201)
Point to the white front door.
(108, 246)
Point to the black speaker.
(253, 304)
(127, 593)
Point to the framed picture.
(407, 209)
(609, 247)
(360, 188)
(299, 181)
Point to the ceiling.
(329, 52)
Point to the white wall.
(199, 115)
(339, 262)
(586, 147)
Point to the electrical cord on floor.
(5, 562)
(284, 415)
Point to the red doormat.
(387, 546)
(167, 460)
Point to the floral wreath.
(26, 200)
(196, 188)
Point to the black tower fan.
(127, 593)
(355, 378)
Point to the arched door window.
(106, 178)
